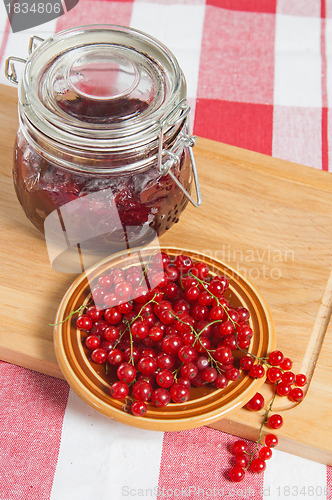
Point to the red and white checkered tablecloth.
(259, 76)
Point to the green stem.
(69, 315)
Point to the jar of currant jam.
(103, 149)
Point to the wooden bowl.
(206, 405)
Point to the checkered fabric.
(259, 75)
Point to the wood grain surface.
(268, 218)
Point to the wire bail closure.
(178, 114)
(10, 69)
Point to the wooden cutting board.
(270, 219)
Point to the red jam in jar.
(103, 152)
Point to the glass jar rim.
(140, 129)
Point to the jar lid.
(100, 86)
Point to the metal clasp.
(34, 42)
(178, 114)
(10, 70)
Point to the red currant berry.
(184, 381)
(142, 390)
(271, 440)
(192, 293)
(99, 327)
(216, 288)
(198, 381)
(181, 305)
(167, 317)
(189, 371)
(171, 272)
(236, 474)
(187, 282)
(202, 344)
(265, 453)
(274, 374)
(125, 307)
(226, 328)
(288, 378)
(241, 460)
(300, 380)
(171, 290)
(119, 390)
(110, 300)
(161, 259)
(275, 358)
(140, 329)
(112, 316)
(165, 361)
(218, 313)
(200, 312)
(223, 280)
(239, 446)
(246, 362)
(94, 313)
(156, 333)
(257, 371)
(187, 354)
(163, 305)
(123, 291)
(256, 403)
(286, 364)
(230, 341)
(105, 281)
(99, 356)
(160, 397)
(147, 365)
(83, 322)
(141, 294)
(223, 355)
(232, 373)
(111, 333)
(243, 344)
(98, 295)
(283, 389)
(92, 342)
(209, 374)
(165, 378)
(179, 393)
(221, 381)
(257, 465)
(243, 313)
(202, 362)
(205, 298)
(132, 353)
(171, 344)
(200, 270)
(296, 394)
(275, 421)
(158, 279)
(183, 263)
(108, 346)
(115, 357)
(188, 338)
(126, 372)
(139, 408)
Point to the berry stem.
(83, 306)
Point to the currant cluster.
(166, 326)
(178, 332)
(278, 372)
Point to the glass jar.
(103, 150)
